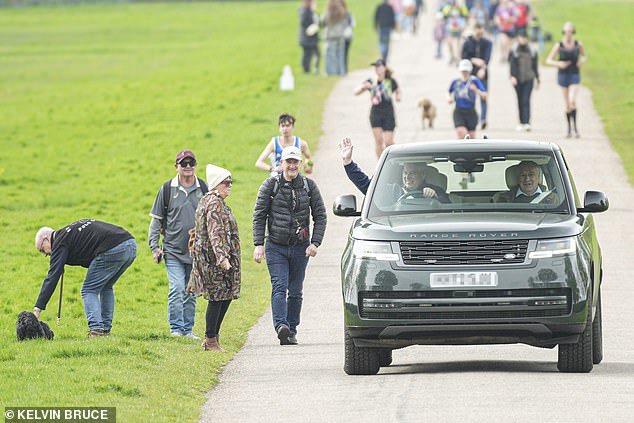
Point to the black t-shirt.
(77, 245)
(381, 93)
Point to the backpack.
(166, 198)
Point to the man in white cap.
(284, 206)
(173, 216)
(463, 92)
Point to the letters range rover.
(476, 260)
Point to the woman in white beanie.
(215, 252)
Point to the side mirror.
(345, 205)
(594, 202)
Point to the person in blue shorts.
(464, 91)
(273, 150)
(571, 56)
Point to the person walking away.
(463, 92)
(382, 90)
(384, 23)
(348, 35)
(309, 35)
(477, 49)
(335, 21)
(106, 250)
(572, 56)
(215, 255)
(273, 149)
(439, 33)
(523, 61)
(284, 207)
(173, 216)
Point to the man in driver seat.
(528, 188)
(414, 185)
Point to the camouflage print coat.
(215, 238)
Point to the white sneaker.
(527, 127)
(175, 333)
(192, 335)
(520, 127)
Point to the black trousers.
(307, 57)
(216, 311)
(524, 90)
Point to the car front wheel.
(577, 358)
(360, 360)
(597, 334)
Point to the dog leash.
(59, 308)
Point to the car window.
(483, 181)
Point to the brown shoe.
(211, 344)
(95, 333)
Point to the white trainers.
(176, 333)
(527, 127)
(520, 127)
(192, 335)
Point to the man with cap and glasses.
(173, 216)
(284, 206)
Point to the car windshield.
(468, 182)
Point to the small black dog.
(28, 327)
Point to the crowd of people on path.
(192, 229)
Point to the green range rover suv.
(472, 242)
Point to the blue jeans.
(181, 308)
(384, 41)
(287, 267)
(97, 292)
(335, 56)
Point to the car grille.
(456, 253)
(465, 304)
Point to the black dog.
(28, 327)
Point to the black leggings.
(216, 311)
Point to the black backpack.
(276, 187)
(166, 198)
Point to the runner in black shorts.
(571, 56)
(382, 89)
(463, 91)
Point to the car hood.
(438, 226)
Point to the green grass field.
(605, 28)
(95, 102)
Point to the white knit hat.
(215, 175)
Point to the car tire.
(385, 358)
(597, 334)
(360, 360)
(577, 358)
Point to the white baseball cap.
(465, 65)
(291, 152)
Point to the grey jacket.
(282, 220)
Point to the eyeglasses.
(40, 247)
(227, 182)
(190, 163)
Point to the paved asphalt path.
(266, 382)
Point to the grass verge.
(95, 102)
(606, 30)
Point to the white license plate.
(460, 279)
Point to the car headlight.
(553, 248)
(374, 250)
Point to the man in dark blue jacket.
(413, 177)
(384, 23)
(105, 249)
(477, 49)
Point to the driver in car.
(414, 185)
(528, 189)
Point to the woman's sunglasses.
(227, 182)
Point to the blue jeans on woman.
(287, 267)
(97, 292)
(181, 308)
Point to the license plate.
(460, 279)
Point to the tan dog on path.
(428, 112)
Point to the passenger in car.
(524, 179)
